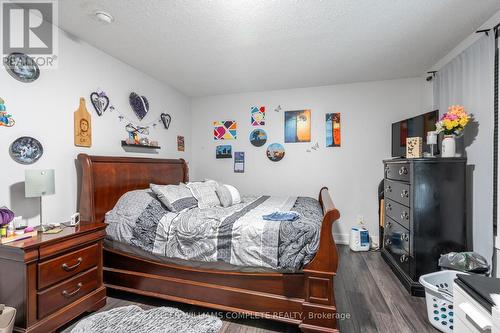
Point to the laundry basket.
(439, 298)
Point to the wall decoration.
(21, 67)
(26, 150)
(297, 126)
(180, 143)
(414, 147)
(133, 133)
(313, 148)
(100, 102)
(258, 137)
(223, 151)
(333, 137)
(275, 152)
(5, 118)
(225, 130)
(139, 104)
(258, 116)
(277, 109)
(166, 119)
(239, 161)
(82, 126)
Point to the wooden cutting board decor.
(83, 126)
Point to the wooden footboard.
(319, 304)
(305, 299)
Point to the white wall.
(352, 172)
(44, 110)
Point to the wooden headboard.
(105, 179)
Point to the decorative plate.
(26, 150)
(258, 137)
(275, 152)
(22, 67)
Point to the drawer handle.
(404, 194)
(404, 216)
(75, 266)
(403, 258)
(388, 207)
(388, 188)
(387, 241)
(404, 236)
(388, 224)
(403, 171)
(74, 292)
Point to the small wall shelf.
(125, 144)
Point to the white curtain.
(468, 80)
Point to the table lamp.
(38, 183)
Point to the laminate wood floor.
(365, 290)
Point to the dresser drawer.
(67, 292)
(398, 171)
(398, 213)
(397, 237)
(397, 191)
(68, 265)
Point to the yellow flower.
(464, 121)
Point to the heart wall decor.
(166, 119)
(139, 104)
(100, 102)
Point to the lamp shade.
(38, 183)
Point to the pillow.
(228, 195)
(175, 197)
(235, 194)
(204, 192)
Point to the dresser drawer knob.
(388, 188)
(74, 292)
(405, 216)
(388, 207)
(75, 266)
(403, 258)
(404, 236)
(388, 224)
(387, 242)
(404, 194)
(403, 171)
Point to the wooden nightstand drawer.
(66, 266)
(67, 292)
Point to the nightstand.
(51, 279)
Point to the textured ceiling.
(209, 47)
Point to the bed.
(299, 293)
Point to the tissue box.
(414, 147)
(7, 319)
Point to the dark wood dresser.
(424, 215)
(51, 279)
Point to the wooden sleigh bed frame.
(305, 299)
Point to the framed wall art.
(333, 135)
(225, 130)
(223, 151)
(258, 116)
(258, 137)
(298, 126)
(239, 161)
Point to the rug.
(133, 319)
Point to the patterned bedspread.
(236, 235)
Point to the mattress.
(231, 238)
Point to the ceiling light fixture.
(104, 17)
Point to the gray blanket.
(236, 235)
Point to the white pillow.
(205, 194)
(235, 194)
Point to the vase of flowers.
(452, 124)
